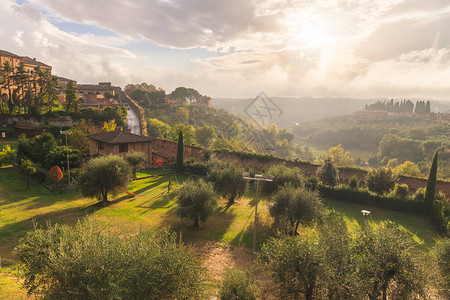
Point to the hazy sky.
(238, 48)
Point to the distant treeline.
(401, 106)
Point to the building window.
(123, 147)
(101, 146)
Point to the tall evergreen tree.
(71, 97)
(180, 148)
(431, 183)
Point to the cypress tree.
(431, 183)
(180, 148)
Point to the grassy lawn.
(152, 207)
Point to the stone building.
(29, 64)
(119, 142)
(95, 95)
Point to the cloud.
(183, 24)
(29, 33)
(378, 48)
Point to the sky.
(239, 48)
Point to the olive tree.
(136, 159)
(102, 175)
(94, 261)
(237, 284)
(297, 264)
(196, 201)
(227, 179)
(389, 263)
(292, 206)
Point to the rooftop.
(34, 62)
(94, 87)
(6, 53)
(119, 137)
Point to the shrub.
(75, 174)
(328, 174)
(419, 195)
(41, 175)
(442, 251)
(7, 155)
(311, 182)
(282, 176)
(196, 200)
(94, 261)
(440, 214)
(400, 191)
(196, 168)
(58, 157)
(380, 181)
(353, 182)
(237, 285)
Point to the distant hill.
(298, 110)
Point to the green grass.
(419, 227)
(153, 207)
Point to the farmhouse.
(119, 142)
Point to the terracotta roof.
(25, 127)
(30, 61)
(6, 53)
(94, 87)
(119, 137)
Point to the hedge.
(365, 197)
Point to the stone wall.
(168, 150)
(29, 121)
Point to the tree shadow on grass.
(152, 185)
(51, 199)
(213, 229)
(245, 237)
(11, 233)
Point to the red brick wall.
(344, 172)
(168, 149)
(414, 183)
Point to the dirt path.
(218, 256)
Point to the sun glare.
(314, 35)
